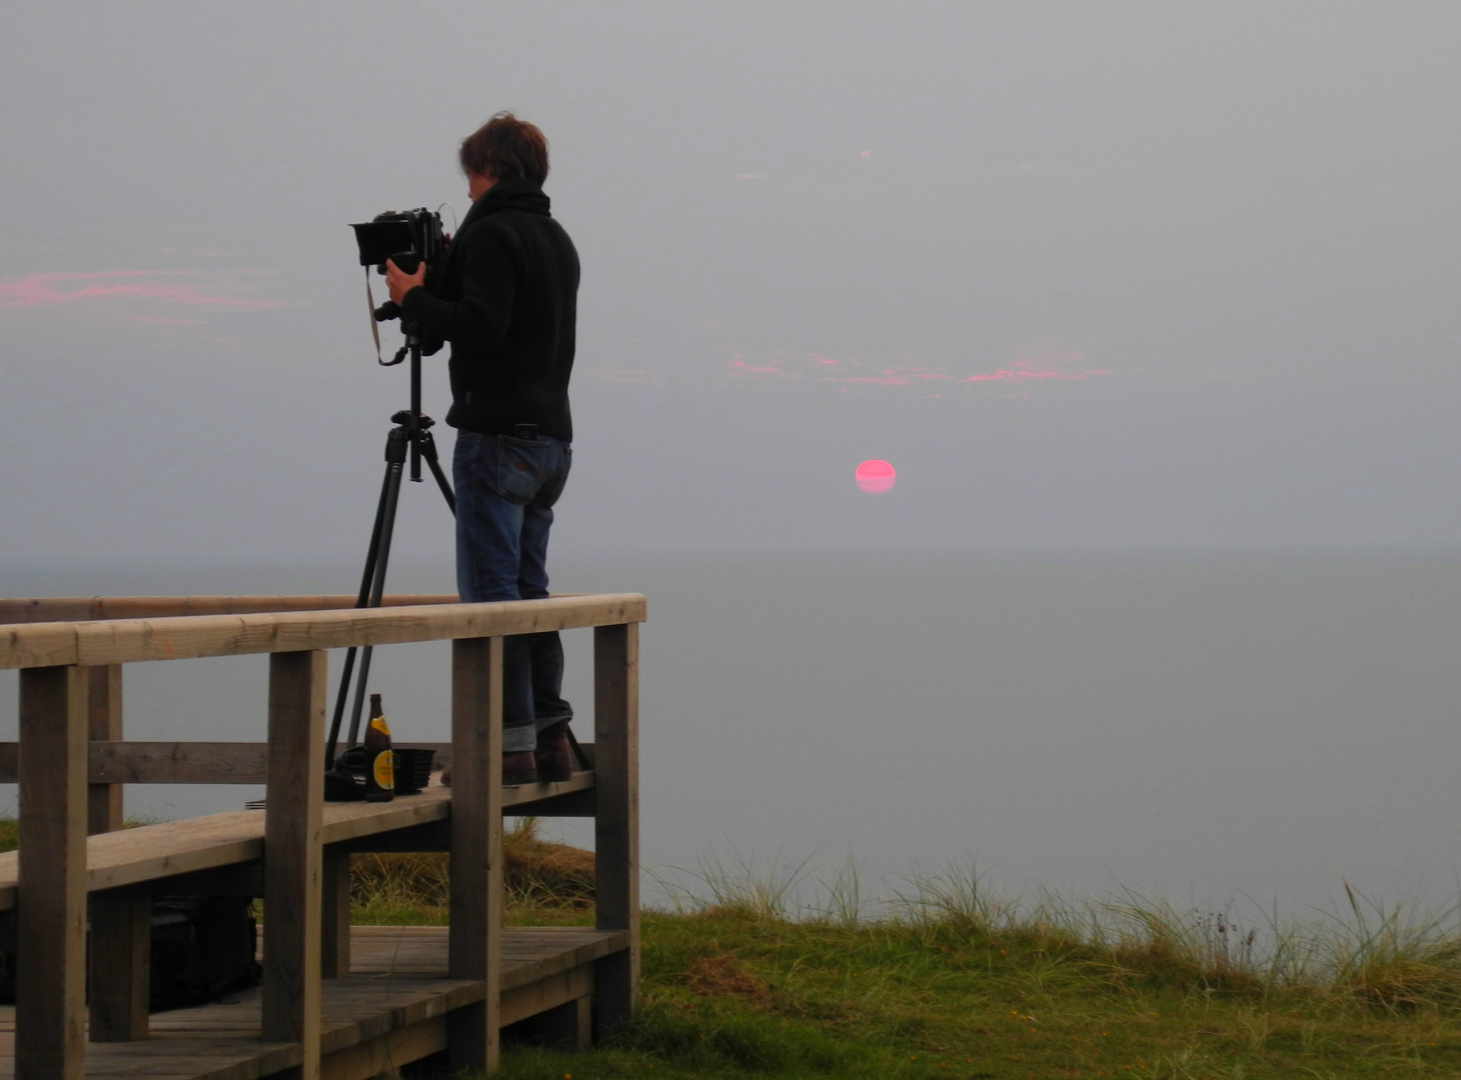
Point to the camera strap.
(370, 314)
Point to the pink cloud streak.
(1021, 371)
(39, 290)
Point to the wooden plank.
(104, 722)
(179, 762)
(335, 905)
(132, 857)
(549, 957)
(358, 1009)
(528, 953)
(38, 646)
(293, 855)
(227, 635)
(128, 640)
(571, 804)
(542, 997)
(236, 879)
(112, 763)
(616, 827)
(121, 943)
(50, 1012)
(382, 1055)
(348, 821)
(85, 608)
(228, 1058)
(476, 896)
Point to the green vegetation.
(952, 981)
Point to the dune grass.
(750, 974)
(952, 980)
(547, 884)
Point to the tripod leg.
(366, 580)
(363, 600)
(377, 589)
(428, 450)
(371, 586)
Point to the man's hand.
(400, 283)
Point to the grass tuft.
(1397, 959)
(718, 974)
(413, 887)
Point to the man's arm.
(479, 320)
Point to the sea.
(1206, 727)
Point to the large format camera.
(406, 237)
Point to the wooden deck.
(335, 1001)
(389, 1010)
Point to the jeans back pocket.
(523, 466)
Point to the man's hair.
(506, 147)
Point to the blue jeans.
(506, 488)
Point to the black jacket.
(506, 296)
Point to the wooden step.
(131, 856)
(391, 1009)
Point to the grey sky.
(1086, 273)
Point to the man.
(505, 296)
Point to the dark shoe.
(554, 754)
(519, 768)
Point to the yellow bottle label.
(385, 769)
(379, 723)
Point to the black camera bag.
(202, 948)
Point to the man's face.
(478, 183)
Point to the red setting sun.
(875, 476)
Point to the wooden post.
(104, 718)
(476, 904)
(50, 1009)
(121, 944)
(616, 825)
(335, 934)
(121, 926)
(294, 809)
(565, 1027)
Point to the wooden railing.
(70, 762)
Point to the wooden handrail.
(70, 761)
(83, 608)
(124, 641)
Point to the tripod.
(411, 437)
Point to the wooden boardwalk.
(336, 1001)
(390, 1009)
